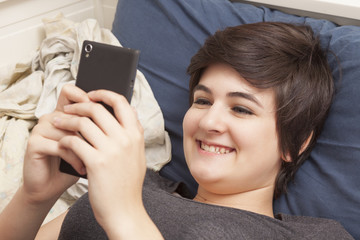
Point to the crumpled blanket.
(30, 88)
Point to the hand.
(42, 179)
(113, 153)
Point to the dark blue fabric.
(169, 32)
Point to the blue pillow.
(168, 33)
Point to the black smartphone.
(104, 66)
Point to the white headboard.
(21, 22)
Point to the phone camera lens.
(88, 48)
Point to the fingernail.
(66, 107)
(56, 120)
(83, 170)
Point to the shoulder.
(156, 183)
(316, 228)
(154, 180)
(80, 222)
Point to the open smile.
(211, 148)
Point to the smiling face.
(230, 138)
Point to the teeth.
(213, 149)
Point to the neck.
(258, 201)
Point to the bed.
(168, 33)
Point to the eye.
(242, 110)
(202, 101)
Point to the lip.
(199, 142)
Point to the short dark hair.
(287, 58)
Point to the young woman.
(259, 95)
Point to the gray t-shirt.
(182, 218)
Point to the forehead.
(224, 75)
(223, 79)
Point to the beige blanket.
(31, 87)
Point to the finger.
(83, 125)
(98, 113)
(44, 136)
(137, 117)
(70, 94)
(70, 157)
(46, 129)
(80, 148)
(122, 109)
(42, 146)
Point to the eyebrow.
(247, 96)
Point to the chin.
(207, 175)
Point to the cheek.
(190, 122)
(259, 137)
(188, 127)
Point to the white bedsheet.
(30, 89)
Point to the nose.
(214, 120)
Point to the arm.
(51, 230)
(114, 156)
(29, 222)
(134, 226)
(42, 184)
(22, 219)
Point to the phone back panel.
(104, 66)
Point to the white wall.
(21, 22)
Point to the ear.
(306, 143)
(286, 156)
